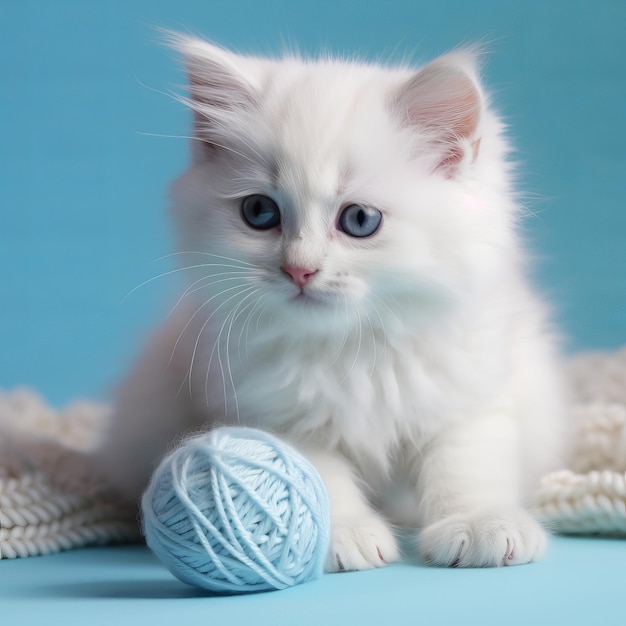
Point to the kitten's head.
(334, 190)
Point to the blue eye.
(360, 221)
(260, 212)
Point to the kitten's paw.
(362, 543)
(483, 540)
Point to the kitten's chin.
(311, 308)
(313, 300)
(322, 313)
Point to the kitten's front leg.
(470, 500)
(360, 538)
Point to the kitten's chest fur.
(356, 390)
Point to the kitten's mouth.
(306, 297)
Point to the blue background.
(83, 178)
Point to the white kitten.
(356, 284)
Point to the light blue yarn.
(237, 510)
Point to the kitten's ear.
(220, 88)
(444, 102)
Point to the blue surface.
(82, 217)
(580, 582)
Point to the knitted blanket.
(50, 501)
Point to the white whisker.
(245, 327)
(193, 289)
(209, 142)
(358, 351)
(373, 336)
(231, 319)
(387, 306)
(259, 316)
(175, 271)
(241, 291)
(383, 329)
(334, 357)
(215, 256)
(192, 317)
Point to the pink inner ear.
(220, 87)
(443, 100)
(455, 153)
(453, 156)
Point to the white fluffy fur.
(414, 368)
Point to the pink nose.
(299, 275)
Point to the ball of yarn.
(237, 510)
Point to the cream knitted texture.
(589, 496)
(51, 501)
